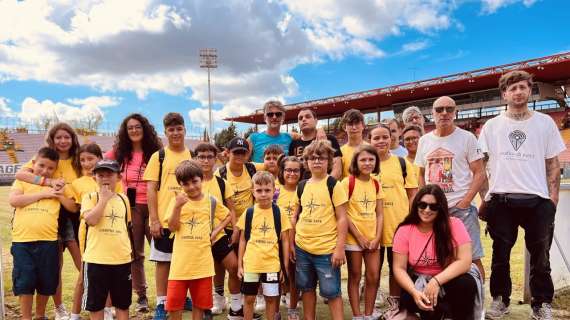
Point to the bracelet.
(43, 181)
(37, 180)
(439, 284)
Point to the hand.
(321, 134)
(235, 236)
(181, 199)
(156, 229)
(554, 200)
(422, 301)
(213, 237)
(105, 194)
(56, 183)
(463, 205)
(363, 242)
(431, 291)
(338, 257)
(51, 193)
(240, 272)
(282, 277)
(374, 244)
(292, 255)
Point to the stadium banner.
(8, 171)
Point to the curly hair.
(123, 146)
(73, 150)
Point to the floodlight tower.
(209, 60)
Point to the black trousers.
(536, 217)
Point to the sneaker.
(380, 299)
(188, 304)
(393, 307)
(542, 312)
(207, 315)
(497, 310)
(142, 304)
(160, 312)
(219, 305)
(284, 300)
(61, 313)
(293, 314)
(108, 314)
(238, 315)
(259, 304)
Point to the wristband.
(42, 181)
(37, 179)
(439, 284)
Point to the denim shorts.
(312, 267)
(36, 267)
(470, 220)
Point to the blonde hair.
(263, 178)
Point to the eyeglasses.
(448, 109)
(206, 157)
(432, 206)
(318, 159)
(134, 128)
(292, 171)
(274, 114)
(411, 139)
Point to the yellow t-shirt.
(415, 169)
(64, 170)
(347, 154)
(262, 250)
(212, 188)
(242, 187)
(108, 242)
(396, 202)
(36, 221)
(192, 251)
(316, 230)
(169, 185)
(287, 201)
(362, 207)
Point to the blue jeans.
(313, 267)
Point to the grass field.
(70, 275)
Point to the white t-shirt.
(517, 150)
(446, 161)
(399, 151)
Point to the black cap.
(108, 164)
(238, 143)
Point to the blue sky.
(110, 58)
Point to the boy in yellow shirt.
(34, 235)
(321, 228)
(196, 220)
(352, 123)
(264, 232)
(108, 250)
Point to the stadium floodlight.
(209, 60)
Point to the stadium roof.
(546, 69)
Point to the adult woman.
(133, 155)
(437, 247)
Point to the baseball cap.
(107, 164)
(238, 143)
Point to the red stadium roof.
(547, 69)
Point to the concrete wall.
(560, 272)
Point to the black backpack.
(249, 167)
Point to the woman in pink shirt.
(437, 249)
(136, 141)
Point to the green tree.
(248, 132)
(223, 137)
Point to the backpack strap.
(376, 185)
(276, 220)
(300, 189)
(403, 166)
(331, 183)
(213, 203)
(161, 156)
(129, 226)
(224, 172)
(248, 221)
(250, 167)
(351, 183)
(222, 186)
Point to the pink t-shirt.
(409, 240)
(132, 175)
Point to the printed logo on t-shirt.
(312, 205)
(425, 260)
(192, 222)
(289, 209)
(112, 217)
(264, 228)
(440, 164)
(517, 138)
(365, 202)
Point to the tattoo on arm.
(485, 186)
(553, 176)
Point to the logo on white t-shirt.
(440, 166)
(517, 138)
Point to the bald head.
(443, 112)
(444, 101)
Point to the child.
(192, 217)
(271, 160)
(34, 235)
(290, 172)
(89, 155)
(108, 250)
(352, 123)
(320, 232)
(263, 228)
(365, 217)
(161, 188)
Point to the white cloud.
(5, 110)
(93, 102)
(491, 6)
(415, 46)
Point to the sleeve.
(221, 212)
(17, 186)
(340, 195)
(344, 184)
(420, 157)
(380, 194)
(401, 240)
(483, 138)
(169, 209)
(473, 149)
(458, 232)
(68, 192)
(335, 145)
(411, 178)
(152, 168)
(229, 191)
(241, 222)
(285, 223)
(76, 193)
(29, 165)
(554, 143)
(88, 202)
(110, 154)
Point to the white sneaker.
(61, 313)
(259, 304)
(219, 304)
(380, 299)
(108, 314)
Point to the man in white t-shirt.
(451, 158)
(522, 147)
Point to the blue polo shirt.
(260, 141)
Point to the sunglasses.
(274, 114)
(447, 109)
(432, 206)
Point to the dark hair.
(283, 161)
(513, 77)
(353, 168)
(441, 225)
(380, 125)
(73, 151)
(188, 170)
(313, 112)
(123, 145)
(351, 116)
(321, 148)
(273, 149)
(48, 153)
(172, 119)
(92, 148)
(206, 147)
(412, 127)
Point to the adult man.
(395, 147)
(307, 119)
(451, 158)
(413, 116)
(522, 147)
(274, 114)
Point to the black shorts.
(390, 258)
(36, 267)
(221, 248)
(252, 288)
(235, 247)
(164, 243)
(99, 280)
